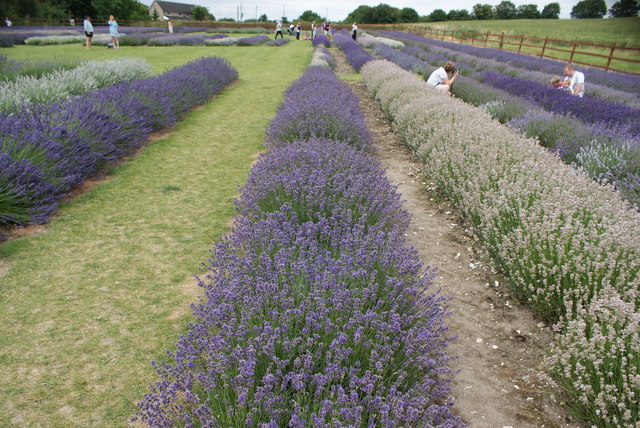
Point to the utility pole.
(256, 12)
(241, 13)
(237, 13)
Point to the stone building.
(171, 10)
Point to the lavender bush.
(179, 40)
(322, 57)
(59, 85)
(278, 42)
(321, 40)
(622, 82)
(587, 109)
(564, 241)
(10, 69)
(356, 55)
(315, 312)
(438, 54)
(597, 361)
(317, 105)
(253, 40)
(71, 140)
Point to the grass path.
(106, 287)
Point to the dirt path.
(500, 344)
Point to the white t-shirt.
(437, 77)
(577, 78)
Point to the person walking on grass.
(440, 78)
(113, 32)
(279, 30)
(574, 80)
(88, 31)
(298, 31)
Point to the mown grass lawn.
(88, 301)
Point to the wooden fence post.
(544, 46)
(573, 50)
(501, 39)
(613, 48)
(486, 38)
(520, 45)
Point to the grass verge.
(106, 286)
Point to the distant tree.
(459, 15)
(551, 11)
(154, 14)
(284, 20)
(263, 18)
(505, 10)
(438, 15)
(528, 11)
(199, 13)
(408, 14)
(384, 14)
(589, 9)
(483, 11)
(310, 16)
(121, 9)
(363, 14)
(227, 20)
(625, 8)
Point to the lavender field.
(311, 308)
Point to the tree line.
(63, 9)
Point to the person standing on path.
(354, 31)
(574, 80)
(298, 30)
(313, 30)
(88, 31)
(113, 32)
(279, 30)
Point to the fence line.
(515, 43)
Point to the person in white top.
(279, 30)
(8, 22)
(354, 31)
(88, 31)
(574, 80)
(440, 78)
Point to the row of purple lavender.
(47, 149)
(317, 313)
(600, 136)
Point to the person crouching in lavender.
(440, 78)
(574, 80)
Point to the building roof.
(170, 6)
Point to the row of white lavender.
(59, 85)
(570, 246)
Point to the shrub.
(331, 113)
(564, 241)
(71, 140)
(58, 85)
(356, 55)
(321, 40)
(315, 312)
(252, 41)
(278, 42)
(322, 57)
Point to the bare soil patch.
(500, 344)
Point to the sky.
(337, 10)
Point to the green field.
(91, 298)
(623, 32)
